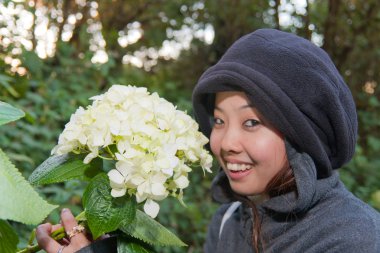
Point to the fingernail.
(65, 210)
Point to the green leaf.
(9, 113)
(18, 200)
(5, 82)
(8, 238)
(105, 213)
(31, 61)
(145, 228)
(62, 168)
(131, 245)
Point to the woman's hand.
(77, 241)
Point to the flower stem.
(32, 236)
(30, 249)
(110, 152)
(105, 158)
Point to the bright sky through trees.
(22, 29)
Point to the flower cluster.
(153, 143)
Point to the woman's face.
(249, 151)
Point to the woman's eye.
(251, 123)
(218, 121)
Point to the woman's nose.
(231, 141)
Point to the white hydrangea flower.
(153, 143)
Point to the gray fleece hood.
(297, 88)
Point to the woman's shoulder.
(337, 222)
(344, 203)
(345, 216)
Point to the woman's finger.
(55, 227)
(69, 223)
(44, 239)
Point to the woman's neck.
(258, 199)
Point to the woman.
(282, 122)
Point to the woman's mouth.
(237, 171)
(237, 167)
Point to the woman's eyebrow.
(240, 108)
(246, 106)
(217, 108)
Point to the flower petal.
(158, 189)
(118, 192)
(116, 179)
(182, 182)
(151, 208)
(89, 157)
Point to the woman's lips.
(237, 171)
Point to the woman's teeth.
(238, 167)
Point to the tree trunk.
(277, 13)
(330, 26)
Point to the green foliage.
(5, 81)
(18, 201)
(8, 113)
(375, 199)
(8, 238)
(150, 231)
(17, 193)
(61, 168)
(130, 245)
(105, 213)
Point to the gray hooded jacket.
(324, 217)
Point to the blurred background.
(54, 55)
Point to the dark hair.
(281, 183)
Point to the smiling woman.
(283, 122)
(241, 140)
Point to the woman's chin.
(244, 190)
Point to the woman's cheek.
(214, 143)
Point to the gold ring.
(76, 230)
